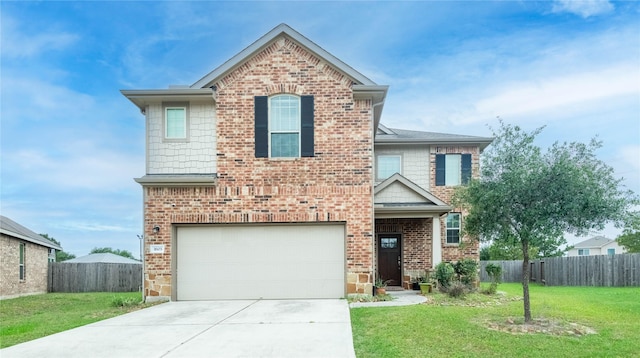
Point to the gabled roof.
(105, 257)
(594, 242)
(266, 40)
(11, 228)
(386, 135)
(431, 204)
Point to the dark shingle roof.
(11, 228)
(394, 135)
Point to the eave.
(143, 98)
(173, 180)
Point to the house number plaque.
(156, 249)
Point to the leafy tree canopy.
(102, 250)
(532, 198)
(60, 255)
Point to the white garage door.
(266, 261)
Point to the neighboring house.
(272, 177)
(598, 245)
(106, 257)
(25, 260)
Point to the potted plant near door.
(380, 286)
(425, 286)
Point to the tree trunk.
(525, 281)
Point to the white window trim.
(459, 229)
(187, 122)
(399, 156)
(299, 131)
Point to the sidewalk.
(400, 298)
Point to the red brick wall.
(335, 185)
(469, 247)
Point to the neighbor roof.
(11, 228)
(387, 135)
(105, 257)
(594, 242)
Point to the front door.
(389, 264)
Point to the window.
(284, 126)
(453, 169)
(388, 165)
(21, 267)
(175, 121)
(453, 228)
(583, 252)
(611, 251)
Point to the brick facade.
(36, 266)
(335, 185)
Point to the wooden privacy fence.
(94, 277)
(597, 270)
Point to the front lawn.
(25, 318)
(451, 328)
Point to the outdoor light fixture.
(156, 229)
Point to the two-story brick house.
(261, 178)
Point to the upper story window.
(21, 267)
(175, 121)
(388, 165)
(453, 228)
(284, 126)
(453, 169)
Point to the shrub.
(444, 275)
(457, 289)
(467, 271)
(495, 273)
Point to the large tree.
(60, 255)
(532, 197)
(101, 250)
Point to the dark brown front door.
(389, 259)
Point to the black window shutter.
(466, 169)
(261, 139)
(440, 170)
(306, 129)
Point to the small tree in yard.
(630, 238)
(533, 198)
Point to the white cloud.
(584, 8)
(17, 44)
(579, 90)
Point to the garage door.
(265, 261)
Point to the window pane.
(453, 221)
(452, 167)
(285, 145)
(388, 165)
(284, 113)
(176, 123)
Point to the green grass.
(26, 318)
(450, 329)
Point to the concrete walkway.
(400, 298)
(243, 328)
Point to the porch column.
(437, 241)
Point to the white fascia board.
(142, 98)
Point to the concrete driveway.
(243, 328)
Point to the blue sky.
(71, 144)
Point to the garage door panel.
(268, 261)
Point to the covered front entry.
(276, 261)
(390, 259)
